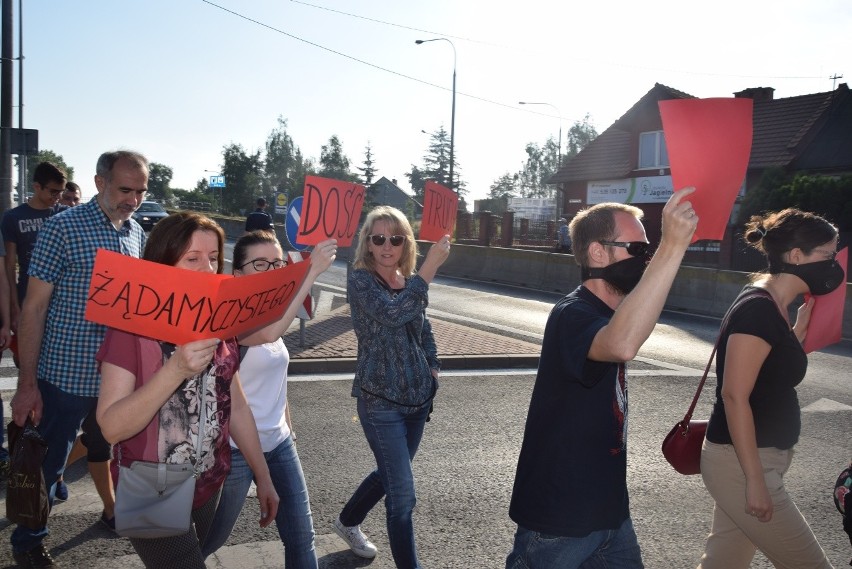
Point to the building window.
(652, 150)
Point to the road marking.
(824, 405)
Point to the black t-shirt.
(774, 402)
(572, 470)
(258, 219)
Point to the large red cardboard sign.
(440, 207)
(826, 324)
(180, 306)
(331, 210)
(709, 144)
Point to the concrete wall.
(696, 290)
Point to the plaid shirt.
(64, 256)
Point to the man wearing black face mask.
(570, 494)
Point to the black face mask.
(623, 275)
(822, 277)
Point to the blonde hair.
(399, 226)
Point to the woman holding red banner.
(396, 376)
(263, 373)
(150, 404)
(756, 417)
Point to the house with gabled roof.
(628, 162)
(387, 192)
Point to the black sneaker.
(35, 557)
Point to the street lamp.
(453, 116)
(558, 144)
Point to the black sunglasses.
(634, 248)
(379, 239)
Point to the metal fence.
(534, 230)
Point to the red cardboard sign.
(709, 143)
(440, 207)
(180, 306)
(826, 322)
(331, 210)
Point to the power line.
(396, 25)
(568, 56)
(441, 87)
(367, 63)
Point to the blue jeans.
(604, 549)
(62, 416)
(294, 521)
(393, 436)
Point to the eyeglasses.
(262, 265)
(634, 248)
(54, 192)
(379, 239)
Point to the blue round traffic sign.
(291, 223)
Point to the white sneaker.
(355, 539)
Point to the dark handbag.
(682, 446)
(154, 499)
(26, 493)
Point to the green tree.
(334, 163)
(282, 159)
(579, 136)
(504, 187)
(544, 161)
(368, 172)
(828, 196)
(243, 179)
(159, 178)
(436, 166)
(36, 159)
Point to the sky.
(178, 80)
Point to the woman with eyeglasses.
(756, 417)
(263, 372)
(396, 376)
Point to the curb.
(306, 366)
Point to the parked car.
(148, 214)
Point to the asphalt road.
(465, 471)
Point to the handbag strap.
(756, 293)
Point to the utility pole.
(6, 107)
(834, 79)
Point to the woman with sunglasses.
(263, 373)
(396, 375)
(756, 417)
(153, 393)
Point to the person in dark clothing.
(259, 219)
(570, 493)
(756, 419)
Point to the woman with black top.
(756, 417)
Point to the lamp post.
(558, 144)
(453, 116)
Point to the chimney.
(756, 93)
(394, 182)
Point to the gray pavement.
(466, 464)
